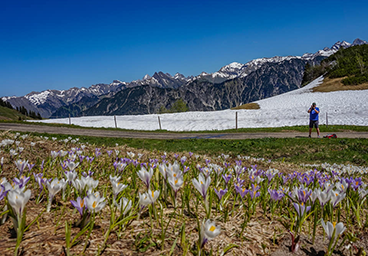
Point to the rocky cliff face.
(268, 80)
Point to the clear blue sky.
(62, 44)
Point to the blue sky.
(62, 44)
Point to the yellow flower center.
(212, 228)
(81, 203)
(334, 224)
(153, 194)
(174, 174)
(94, 204)
(304, 192)
(201, 182)
(342, 186)
(356, 183)
(176, 181)
(243, 190)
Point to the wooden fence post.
(236, 120)
(116, 125)
(159, 122)
(326, 120)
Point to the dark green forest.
(351, 63)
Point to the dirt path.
(160, 135)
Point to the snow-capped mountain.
(46, 102)
(235, 69)
(161, 80)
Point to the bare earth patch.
(248, 106)
(332, 85)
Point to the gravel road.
(162, 135)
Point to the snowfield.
(288, 109)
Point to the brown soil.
(335, 84)
(319, 247)
(248, 106)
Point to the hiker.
(313, 118)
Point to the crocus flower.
(300, 209)
(72, 165)
(209, 231)
(242, 191)
(202, 184)
(276, 195)
(330, 227)
(220, 193)
(70, 176)
(94, 202)
(144, 200)
(153, 195)
(145, 175)
(124, 205)
(226, 178)
(22, 181)
(362, 192)
(54, 154)
(336, 197)
(303, 195)
(3, 192)
(18, 201)
(54, 187)
(323, 197)
(21, 165)
(117, 187)
(79, 205)
(176, 181)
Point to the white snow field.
(288, 109)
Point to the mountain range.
(232, 85)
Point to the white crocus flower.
(209, 231)
(330, 227)
(54, 154)
(54, 187)
(90, 182)
(124, 205)
(153, 195)
(70, 176)
(362, 192)
(202, 184)
(336, 197)
(145, 175)
(18, 200)
(163, 170)
(94, 202)
(12, 152)
(144, 200)
(176, 181)
(114, 178)
(117, 187)
(72, 165)
(130, 154)
(259, 179)
(79, 184)
(342, 186)
(323, 196)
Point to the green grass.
(294, 150)
(301, 128)
(11, 114)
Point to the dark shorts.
(313, 123)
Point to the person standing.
(313, 118)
